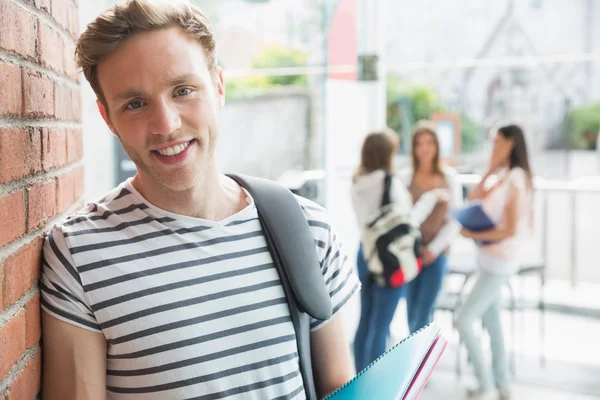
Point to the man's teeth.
(174, 150)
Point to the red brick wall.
(41, 175)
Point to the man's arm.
(74, 361)
(330, 353)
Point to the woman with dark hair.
(508, 202)
(438, 230)
(378, 303)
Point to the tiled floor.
(572, 350)
(443, 385)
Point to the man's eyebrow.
(181, 79)
(127, 95)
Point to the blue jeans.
(377, 307)
(484, 303)
(422, 293)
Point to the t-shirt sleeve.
(339, 276)
(62, 294)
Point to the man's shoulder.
(312, 210)
(318, 220)
(116, 202)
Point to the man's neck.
(214, 198)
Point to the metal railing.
(585, 185)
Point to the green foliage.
(422, 101)
(472, 133)
(272, 57)
(583, 126)
(278, 57)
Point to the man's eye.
(134, 104)
(183, 91)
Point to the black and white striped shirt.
(191, 309)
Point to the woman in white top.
(438, 230)
(378, 304)
(508, 203)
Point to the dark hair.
(378, 151)
(518, 156)
(425, 127)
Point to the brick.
(33, 323)
(70, 67)
(54, 148)
(27, 385)
(11, 90)
(18, 30)
(64, 192)
(51, 47)
(22, 271)
(20, 153)
(12, 342)
(74, 145)
(62, 102)
(12, 215)
(38, 94)
(41, 204)
(74, 20)
(75, 105)
(60, 12)
(1, 288)
(78, 183)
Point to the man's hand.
(74, 361)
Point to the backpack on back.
(392, 244)
(292, 247)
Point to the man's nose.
(165, 119)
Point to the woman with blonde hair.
(378, 303)
(438, 230)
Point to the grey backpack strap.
(292, 248)
(284, 221)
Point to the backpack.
(392, 244)
(292, 247)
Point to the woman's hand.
(467, 233)
(428, 257)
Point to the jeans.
(377, 307)
(484, 302)
(422, 293)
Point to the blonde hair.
(118, 23)
(426, 127)
(378, 151)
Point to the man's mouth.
(173, 150)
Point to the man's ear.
(220, 87)
(104, 113)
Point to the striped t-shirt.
(190, 308)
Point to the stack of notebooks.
(400, 373)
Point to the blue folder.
(474, 218)
(400, 373)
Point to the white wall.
(98, 142)
(264, 136)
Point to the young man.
(165, 288)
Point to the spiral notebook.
(401, 372)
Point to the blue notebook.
(474, 218)
(400, 373)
